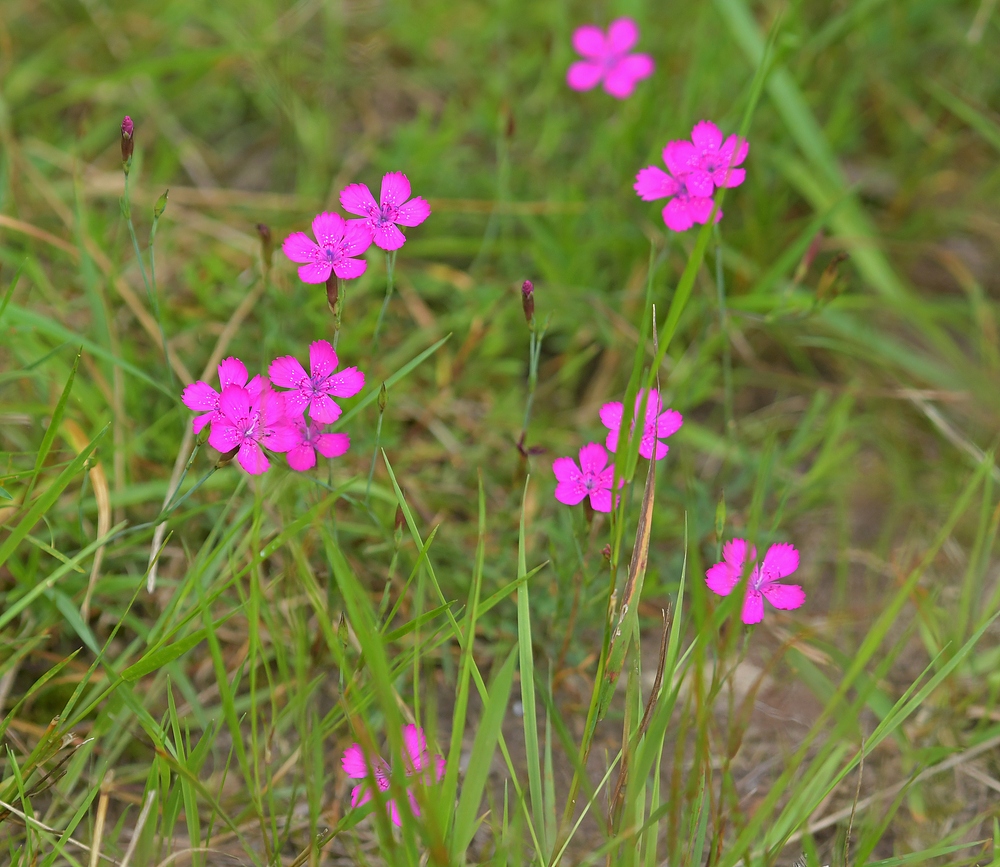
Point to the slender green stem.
(338, 309)
(534, 354)
(727, 357)
(390, 272)
(378, 437)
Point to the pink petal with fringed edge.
(281, 438)
(302, 458)
(332, 445)
(668, 423)
(395, 189)
(611, 414)
(722, 578)
(676, 216)
(254, 386)
(653, 403)
(730, 178)
(287, 372)
(357, 237)
(753, 607)
(224, 437)
(780, 561)
(388, 237)
(584, 75)
(734, 552)
(593, 459)
(360, 795)
(200, 397)
(623, 34)
(198, 422)
(272, 406)
(354, 764)
(571, 493)
(706, 136)
(328, 228)
(589, 41)
(680, 157)
(600, 500)
(787, 597)
(252, 458)
(623, 77)
(358, 199)
(234, 402)
(296, 402)
(653, 183)
(232, 371)
(699, 184)
(734, 143)
(415, 746)
(324, 410)
(566, 470)
(394, 814)
(413, 213)
(299, 247)
(348, 269)
(700, 209)
(347, 383)
(317, 272)
(322, 359)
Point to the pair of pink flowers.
(780, 561)
(247, 417)
(695, 169)
(340, 242)
(594, 476)
(417, 761)
(607, 59)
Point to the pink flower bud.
(528, 301)
(128, 142)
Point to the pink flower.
(313, 389)
(246, 422)
(592, 477)
(658, 425)
(311, 439)
(394, 207)
(417, 761)
(337, 240)
(201, 397)
(718, 158)
(780, 561)
(606, 59)
(690, 186)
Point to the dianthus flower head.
(315, 390)
(311, 439)
(607, 59)
(719, 158)
(656, 428)
(780, 561)
(690, 187)
(201, 397)
(248, 422)
(417, 761)
(337, 242)
(394, 208)
(593, 477)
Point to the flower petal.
(584, 75)
(388, 237)
(721, 578)
(252, 458)
(199, 421)
(784, 596)
(348, 269)
(741, 147)
(780, 561)
(753, 607)
(624, 75)
(395, 189)
(324, 410)
(676, 215)
(232, 371)
(653, 183)
(729, 178)
(287, 372)
(699, 184)
(394, 814)
(600, 500)
(566, 470)
(200, 397)
(360, 795)
(358, 199)
(234, 402)
(332, 445)
(669, 423)
(328, 228)
(415, 747)
(347, 383)
(571, 493)
(413, 213)
(706, 136)
(281, 437)
(611, 415)
(354, 764)
(357, 237)
(593, 459)
(302, 458)
(224, 437)
(701, 209)
(317, 272)
(680, 157)
(623, 33)
(589, 41)
(299, 247)
(322, 359)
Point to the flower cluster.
(340, 242)
(593, 476)
(247, 417)
(695, 169)
(418, 761)
(606, 59)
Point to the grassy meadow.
(188, 650)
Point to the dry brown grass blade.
(102, 815)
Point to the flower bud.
(160, 206)
(528, 301)
(128, 142)
(332, 291)
(383, 399)
(266, 244)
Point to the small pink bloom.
(201, 397)
(393, 207)
(417, 761)
(246, 422)
(607, 59)
(311, 439)
(780, 561)
(719, 158)
(658, 425)
(593, 478)
(690, 186)
(338, 241)
(314, 389)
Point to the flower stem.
(534, 354)
(390, 272)
(338, 309)
(727, 358)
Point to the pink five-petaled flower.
(606, 59)
(691, 187)
(337, 242)
(780, 561)
(394, 207)
(592, 477)
(417, 761)
(311, 439)
(717, 157)
(246, 422)
(314, 389)
(658, 425)
(201, 397)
